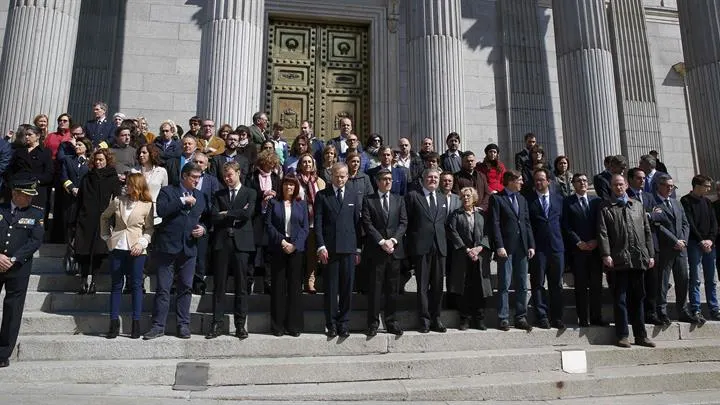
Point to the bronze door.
(319, 73)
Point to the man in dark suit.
(208, 185)
(175, 165)
(338, 232)
(580, 227)
(673, 231)
(400, 175)
(450, 161)
(649, 165)
(258, 128)
(100, 129)
(230, 154)
(232, 212)
(427, 246)
(385, 220)
(515, 245)
(469, 177)
(166, 143)
(184, 211)
(660, 166)
(340, 141)
(614, 165)
(545, 209)
(21, 234)
(316, 145)
(651, 277)
(523, 157)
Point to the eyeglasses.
(63, 120)
(581, 181)
(208, 126)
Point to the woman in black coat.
(286, 223)
(466, 233)
(266, 182)
(74, 168)
(97, 188)
(35, 161)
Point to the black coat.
(37, 164)
(461, 237)
(96, 190)
(259, 216)
(424, 227)
(378, 228)
(236, 222)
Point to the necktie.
(385, 205)
(647, 186)
(515, 205)
(584, 204)
(667, 202)
(339, 196)
(545, 205)
(232, 195)
(433, 205)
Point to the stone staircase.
(61, 342)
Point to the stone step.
(52, 339)
(509, 386)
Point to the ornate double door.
(318, 73)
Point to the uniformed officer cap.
(25, 185)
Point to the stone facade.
(144, 58)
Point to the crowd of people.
(339, 217)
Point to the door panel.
(317, 73)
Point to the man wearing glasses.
(208, 142)
(340, 141)
(208, 185)
(258, 128)
(230, 153)
(174, 166)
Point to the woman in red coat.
(492, 168)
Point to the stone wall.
(3, 21)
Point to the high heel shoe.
(135, 333)
(83, 286)
(91, 288)
(114, 329)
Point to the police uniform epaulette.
(36, 206)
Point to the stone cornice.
(664, 15)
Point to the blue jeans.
(515, 268)
(168, 265)
(696, 257)
(123, 264)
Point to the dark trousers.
(652, 283)
(13, 305)
(629, 292)
(123, 264)
(588, 278)
(169, 264)
(672, 261)
(338, 284)
(429, 272)
(383, 283)
(472, 301)
(89, 264)
(228, 261)
(286, 311)
(550, 265)
(202, 256)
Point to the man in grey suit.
(673, 231)
(427, 246)
(385, 220)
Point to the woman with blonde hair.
(126, 226)
(42, 121)
(310, 184)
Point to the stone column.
(435, 70)
(231, 60)
(587, 87)
(701, 46)
(37, 60)
(636, 101)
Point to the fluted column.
(37, 59)
(435, 69)
(231, 60)
(587, 87)
(636, 101)
(700, 28)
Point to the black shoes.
(4, 363)
(114, 330)
(153, 333)
(135, 333)
(558, 324)
(215, 330)
(523, 324)
(424, 329)
(278, 333)
(372, 331)
(665, 320)
(294, 334)
(343, 333)
(395, 330)
(653, 320)
(695, 319)
(331, 332)
(504, 325)
(644, 341)
(241, 333)
(183, 332)
(438, 326)
(464, 324)
(543, 323)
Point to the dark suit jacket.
(547, 231)
(578, 225)
(338, 227)
(477, 181)
(236, 220)
(425, 229)
(72, 172)
(445, 162)
(670, 225)
(210, 185)
(521, 159)
(601, 182)
(275, 225)
(453, 204)
(259, 219)
(172, 150)
(173, 235)
(104, 132)
(378, 228)
(172, 166)
(511, 231)
(400, 179)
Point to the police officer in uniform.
(21, 234)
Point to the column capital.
(433, 17)
(70, 7)
(244, 10)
